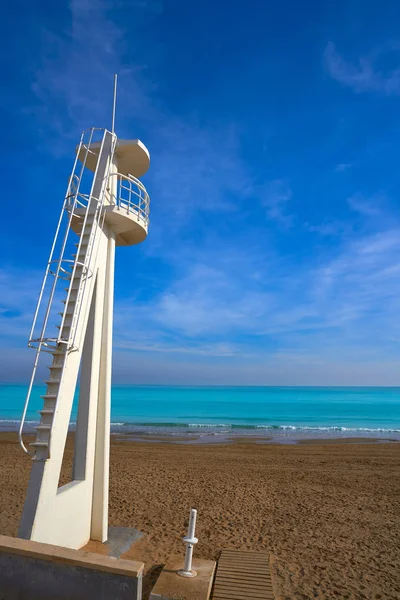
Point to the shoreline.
(223, 434)
(235, 440)
(210, 440)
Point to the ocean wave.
(251, 427)
(13, 424)
(216, 425)
(324, 428)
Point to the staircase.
(79, 271)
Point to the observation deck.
(127, 205)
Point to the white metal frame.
(74, 197)
(132, 197)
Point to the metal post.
(114, 104)
(190, 541)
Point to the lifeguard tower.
(105, 206)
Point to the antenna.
(114, 104)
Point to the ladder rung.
(49, 396)
(40, 444)
(49, 381)
(46, 411)
(43, 427)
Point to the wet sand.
(328, 513)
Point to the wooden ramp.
(242, 575)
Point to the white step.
(50, 381)
(40, 444)
(49, 397)
(46, 411)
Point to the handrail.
(132, 187)
(97, 216)
(70, 202)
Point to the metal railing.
(132, 197)
(56, 266)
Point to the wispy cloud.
(198, 166)
(74, 73)
(364, 75)
(215, 291)
(328, 228)
(275, 196)
(327, 306)
(369, 207)
(342, 167)
(254, 309)
(17, 302)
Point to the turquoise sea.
(285, 413)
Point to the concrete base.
(34, 571)
(171, 586)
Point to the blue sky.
(273, 255)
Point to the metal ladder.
(76, 269)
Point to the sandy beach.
(328, 513)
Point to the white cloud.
(368, 207)
(19, 290)
(342, 167)
(324, 311)
(328, 228)
(226, 299)
(275, 196)
(365, 75)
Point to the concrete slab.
(35, 571)
(171, 586)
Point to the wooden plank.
(247, 552)
(247, 584)
(252, 592)
(237, 559)
(238, 577)
(217, 597)
(243, 555)
(239, 565)
(243, 575)
(243, 581)
(235, 596)
(254, 555)
(237, 580)
(254, 572)
(244, 567)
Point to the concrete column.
(99, 525)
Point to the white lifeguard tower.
(105, 206)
